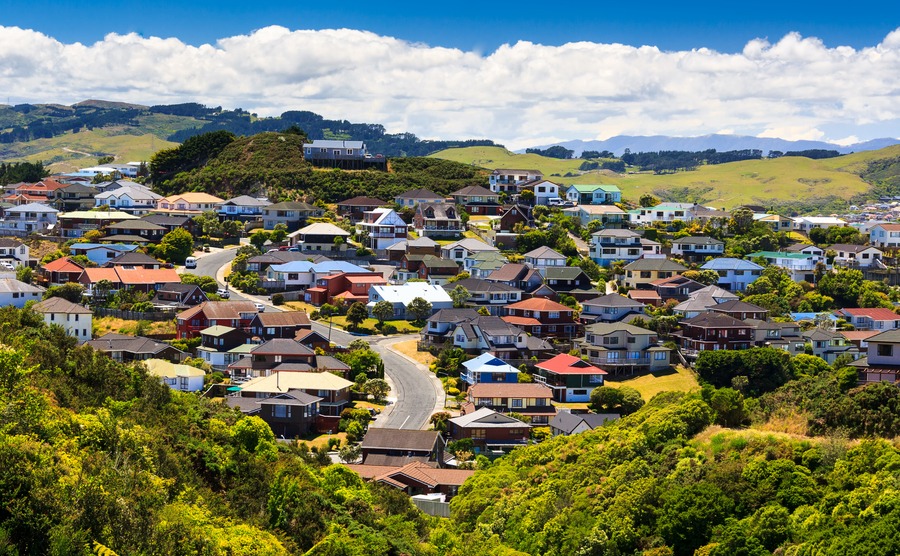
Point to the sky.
(522, 74)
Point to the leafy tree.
(741, 221)
(418, 308)
(71, 291)
(279, 232)
(843, 285)
(624, 400)
(648, 200)
(357, 314)
(175, 246)
(24, 274)
(689, 513)
(259, 238)
(376, 387)
(350, 453)
(383, 310)
(729, 407)
(460, 296)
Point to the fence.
(432, 507)
(156, 316)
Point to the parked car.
(223, 293)
(260, 307)
(190, 262)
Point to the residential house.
(242, 207)
(261, 263)
(217, 344)
(171, 222)
(99, 253)
(75, 224)
(585, 194)
(545, 191)
(517, 276)
(236, 314)
(61, 271)
(437, 220)
(676, 287)
(885, 236)
(397, 447)
(531, 400)
(279, 324)
(183, 378)
(734, 274)
(642, 272)
(566, 423)
(133, 259)
(497, 337)
(696, 249)
(702, 300)
(504, 180)
(475, 195)
(347, 155)
(75, 319)
(466, 248)
(15, 293)
(14, 251)
(882, 360)
(570, 378)
(611, 216)
(29, 218)
(135, 200)
(176, 294)
(777, 222)
(515, 214)
(665, 213)
(418, 246)
(419, 196)
(417, 479)
(542, 317)
(870, 319)
(292, 214)
(801, 266)
(74, 196)
(806, 223)
(135, 231)
(609, 246)
(140, 279)
(714, 331)
(382, 228)
(191, 203)
(400, 296)
(488, 368)
(741, 310)
(291, 414)
(610, 308)
(440, 326)
(124, 348)
(544, 257)
(491, 432)
(320, 237)
(334, 391)
(354, 209)
(304, 274)
(857, 256)
(805, 248)
(779, 335)
(622, 348)
(434, 270)
(481, 265)
(647, 297)
(281, 355)
(349, 287)
(564, 279)
(829, 344)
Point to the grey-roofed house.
(518, 276)
(346, 155)
(353, 208)
(383, 446)
(490, 295)
(320, 237)
(621, 348)
(290, 415)
(133, 259)
(148, 231)
(610, 308)
(181, 296)
(642, 272)
(544, 257)
(16, 294)
(564, 279)
(566, 423)
(437, 220)
(290, 213)
(740, 310)
(440, 326)
(414, 197)
(697, 248)
(459, 251)
(499, 338)
(491, 432)
(171, 221)
(124, 348)
(242, 207)
(882, 360)
(734, 274)
(829, 344)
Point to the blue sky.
(481, 26)
(533, 74)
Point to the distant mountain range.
(654, 143)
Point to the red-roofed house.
(543, 318)
(142, 279)
(349, 286)
(871, 319)
(236, 314)
(570, 378)
(62, 271)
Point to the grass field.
(678, 379)
(104, 325)
(409, 349)
(403, 326)
(73, 151)
(720, 185)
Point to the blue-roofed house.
(303, 274)
(487, 368)
(734, 274)
(101, 253)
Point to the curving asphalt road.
(415, 392)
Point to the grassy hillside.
(726, 185)
(69, 152)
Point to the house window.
(282, 411)
(478, 434)
(579, 392)
(517, 402)
(660, 356)
(610, 340)
(885, 350)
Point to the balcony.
(619, 361)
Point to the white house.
(806, 223)
(734, 274)
(801, 266)
(242, 207)
(544, 191)
(29, 218)
(101, 253)
(459, 251)
(608, 246)
(665, 212)
(177, 376)
(76, 320)
(188, 203)
(504, 180)
(303, 274)
(697, 248)
(16, 293)
(14, 250)
(885, 235)
(400, 296)
(585, 194)
(610, 216)
(383, 227)
(133, 199)
(320, 238)
(543, 256)
(862, 256)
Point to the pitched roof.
(453, 315)
(139, 224)
(11, 285)
(567, 422)
(194, 197)
(486, 417)
(283, 382)
(282, 346)
(736, 306)
(539, 304)
(480, 285)
(698, 240)
(130, 344)
(510, 390)
(656, 264)
(565, 364)
(715, 320)
(877, 313)
(219, 310)
(730, 263)
(60, 305)
(283, 318)
(474, 190)
(63, 264)
(399, 439)
(132, 258)
(420, 193)
(888, 336)
(614, 300)
(322, 229)
(470, 244)
(362, 201)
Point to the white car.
(223, 293)
(260, 307)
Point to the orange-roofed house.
(885, 236)
(61, 271)
(188, 203)
(543, 318)
(141, 279)
(349, 286)
(571, 378)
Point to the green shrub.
(278, 299)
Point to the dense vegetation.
(94, 451)
(273, 163)
(21, 172)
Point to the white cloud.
(519, 94)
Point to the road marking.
(404, 422)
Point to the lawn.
(677, 379)
(104, 325)
(409, 349)
(368, 325)
(300, 306)
(720, 185)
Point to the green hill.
(725, 185)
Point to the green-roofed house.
(217, 342)
(594, 194)
(801, 266)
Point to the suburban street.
(415, 392)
